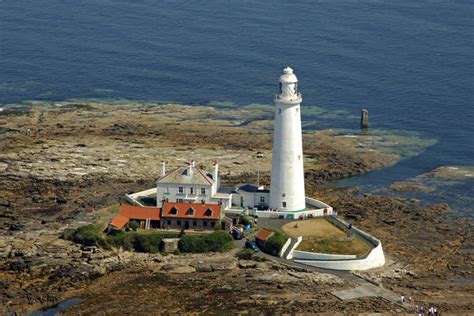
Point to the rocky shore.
(59, 162)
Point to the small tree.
(133, 225)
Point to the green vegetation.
(349, 246)
(133, 225)
(91, 235)
(248, 254)
(88, 235)
(217, 241)
(147, 243)
(274, 244)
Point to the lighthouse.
(287, 182)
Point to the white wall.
(170, 191)
(305, 255)
(374, 259)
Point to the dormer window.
(208, 213)
(190, 212)
(173, 211)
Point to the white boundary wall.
(297, 243)
(133, 198)
(285, 246)
(314, 208)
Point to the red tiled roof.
(128, 212)
(140, 212)
(263, 234)
(198, 210)
(119, 221)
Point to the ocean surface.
(409, 62)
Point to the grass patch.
(354, 246)
(320, 235)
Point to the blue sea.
(410, 62)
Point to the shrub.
(219, 241)
(133, 225)
(274, 244)
(216, 241)
(122, 239)
(147, 242)
(88, 235)
(192, 243)
(245, 254)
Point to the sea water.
(409, 62)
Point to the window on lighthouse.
(283, 204)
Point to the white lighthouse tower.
(287, 182)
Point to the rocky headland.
(59, 161)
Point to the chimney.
(192, 164)
(215, 174)
(163, 169)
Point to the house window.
(180, 190)
(204, 223)
(262, 199)
(191, 190)
(190, 212)
(173, 211)
(203, 191)
(213, 224)
(194, 223)
(283, 204)
(208, 213)
(168, 222)
(179, 200)
(178, 223)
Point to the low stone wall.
(375, 258)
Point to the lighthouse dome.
(288, 76)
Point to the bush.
(245, 254)
(122, 239)
(274, 244)
(133, 225)
(219, 241)
(192, 243)
(88, 235)
(147, 243)
(216, 241)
